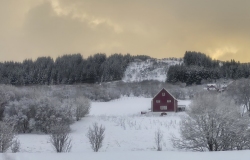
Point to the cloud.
(161, 28)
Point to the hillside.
(127, 136)
(150, 69)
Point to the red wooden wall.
(164, 100)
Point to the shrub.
(158, 139)
(59, 138)
(96, 135)
(82, 107)
(6, 136)
(15, 147)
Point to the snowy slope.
(128, 135)
(151, 69)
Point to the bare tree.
(96, 135)
(213, 123)
(82, 107)
(158, 139)
(60, 139)
(6, 136)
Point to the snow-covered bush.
(28, 114)
(21, 114)
(49, 112)
(59, 138)
(15, 147)
(214, 123)
(240, 92)
(6, 136)
(4, 98)
(96, 136)
(82, 107)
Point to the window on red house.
(163, 107)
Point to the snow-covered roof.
(168, 93)
(212, 84)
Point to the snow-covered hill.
(151, 69)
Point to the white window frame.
(158, 101)
(169, 101)
(163, 94)
(163, 108)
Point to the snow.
(128, 135)
(184, 102)
(119, 107)
(138, 155)
(151, 69)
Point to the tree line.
(66, 69)
(198, 66)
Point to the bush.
(158, 139)
(15, 147)
(60, 139)
(82, 107)
(96, 135)
(49, 112)
(20, 114)
(6, 136)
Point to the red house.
(164, 102)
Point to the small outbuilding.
(212, 87)
(164, 101)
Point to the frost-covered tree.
(49, 112)
(15, 147)
(82, 107)
(42, 70)
(239, 90)
(6, 136)
(3, 102)
(213, 123)
(21, 114)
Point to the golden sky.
(158, 28)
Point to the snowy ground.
(139, 155)
(128, 135)
(150, 69)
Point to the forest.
(67, 69)
(198, 67)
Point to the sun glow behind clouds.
(80, 15)
(221, 52)
(160, 28)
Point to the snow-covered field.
(128, 135)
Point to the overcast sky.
(158, 28)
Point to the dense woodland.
(198, 67)
(74, 69)
(67, 69)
